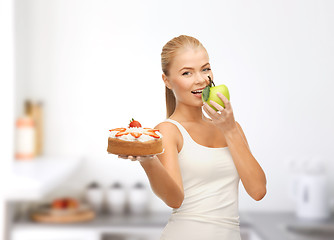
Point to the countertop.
(268, 225)
(286, 226)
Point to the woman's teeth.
(197, 91)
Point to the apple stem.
(211, 82)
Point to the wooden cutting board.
(72, 217)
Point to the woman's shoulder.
(170, 132)
(166, 126)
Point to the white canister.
(94, 196)
(116, 199)
(138, 199)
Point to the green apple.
(210, 93)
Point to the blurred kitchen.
(82, 67)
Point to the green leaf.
(206, 93)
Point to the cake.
(135, 140)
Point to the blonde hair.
(169, 51)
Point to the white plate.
(163, 150)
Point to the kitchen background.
(90, 66)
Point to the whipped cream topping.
(129, 137)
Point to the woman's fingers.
(205, 108)
(211, 112)
(226, 102)
(221, 111)
(136, 158)
(132, 158)
(145, 158)
(217, 106)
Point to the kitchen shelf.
(105, 221)
(104, 226)
(33, 179)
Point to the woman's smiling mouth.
(198, 92)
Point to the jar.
(116, 199)
(138, 199)
(94, 196)
(25, 138)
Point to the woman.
(198, 174)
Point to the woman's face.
(189, 72)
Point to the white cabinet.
(32, 180)
(64, 233)
(54, 234)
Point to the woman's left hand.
(223, 118)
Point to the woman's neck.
(186, 113)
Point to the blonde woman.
(205, 158)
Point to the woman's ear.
(166, 81)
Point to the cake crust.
(134, 148)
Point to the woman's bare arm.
(163, 171)
(250, 171)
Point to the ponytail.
(170, 102)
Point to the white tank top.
(210, 182)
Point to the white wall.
(96, 64)
(6, 103)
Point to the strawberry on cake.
(135, 140)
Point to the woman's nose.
(202, 79)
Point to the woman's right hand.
(138, 158)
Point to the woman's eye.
(206, 69)
(186, 73)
